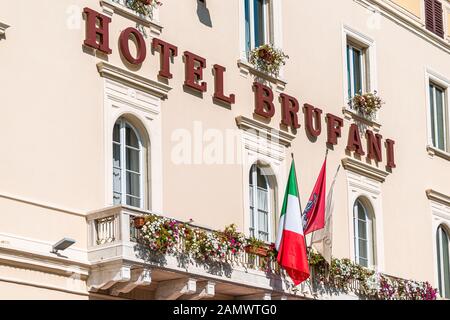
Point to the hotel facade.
(109, 114)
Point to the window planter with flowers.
(167, 236)
(143, 7)
(268, 59)
(367, 104)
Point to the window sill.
(111, 7)
(352, 114)
(432, 151)
(247, 68)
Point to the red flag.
(314, 214)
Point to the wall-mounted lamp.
(62, 245)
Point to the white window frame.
(364, 187)
(370, 230)
(440, 267)
(142, 105)
(368, 45)
(440, 216)
(433, 77)
(259, 143)
(123, 122)
(275, 28)
(270, 204)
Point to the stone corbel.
(105, 278)
(173, 289)
(139, 277)
(205, 290)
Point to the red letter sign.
(311, 112)
(374, 146)
(354, 140)
(125, 47)
(166, 52)
(334, 125)
(194, 73)
(92, 31)
(263, 100)
(218, 90)
(390, 153)
(289, 107)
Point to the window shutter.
(429, 15)
(434, 17)
(438, 19)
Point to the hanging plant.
(268, 59)
(143, 7)
(367, 104)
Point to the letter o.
(125, 47)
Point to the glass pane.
(361, 211)
(117, 198)
(133, 181)
(432, 115)
(116, 133)
(117, 180)
(250, 178)
(259, 22)
(131, 138)
(263, 200)
(364, 262)
(440, 140)
(443, 262)
(349, 73)
(251, 195)
(132, 160)
(116, 155)
(362, 229)
(363, 252)
(262, 180)
(357, 71)
(135, 202)
(247, 26)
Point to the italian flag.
(290, 243)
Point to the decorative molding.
(173, 289)
(364, 169)
(131, 79)
(414, 25)
(247, 68)
(438, 197)
(273, 135)
(432, 151)
(111, 7)
(3, 28)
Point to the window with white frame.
(258, 23)
(363, 224)
(128, 188)
(357, 69)
(439, 132)
(261, 204)
(443, 261)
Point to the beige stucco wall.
(52, 111)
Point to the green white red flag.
(290, 243)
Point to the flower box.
(259, 251)
(139, 222)
(268, 59)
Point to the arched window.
(443, 262)
(363, 223)
(261, 204)
(127, 165)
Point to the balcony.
(125, 267)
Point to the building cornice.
(407, 20)
(438, 197)
(364, 169)
(274, 135)
(112, 72)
